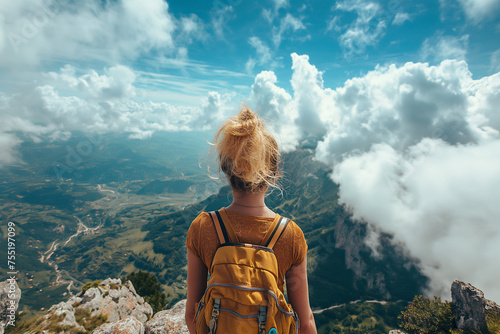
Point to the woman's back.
(291, 248)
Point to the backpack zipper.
(239, 315)
(253, 289)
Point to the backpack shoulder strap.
(270, 231)
(227, 223)
(276, 232)
(223, 228)
(218, 227)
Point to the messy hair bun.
(247, 153)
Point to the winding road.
(82, 228)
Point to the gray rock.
(116, 301)
(128, 325)
(65, 309)
(471, 307)
(169, 321)
(8, 305)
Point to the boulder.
(169, 321)
(471, 307)
(8, 305)
(67, 311)
(128, 325)
(116, 301)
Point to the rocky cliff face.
(471, 307)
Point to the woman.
(249, 157)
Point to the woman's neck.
(250, 204)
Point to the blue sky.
(401, 97)
(222, 45)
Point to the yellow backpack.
(242, 294)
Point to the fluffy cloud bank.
(417, 155)
(416, 151)
(32, 30)
(92, 102)
(439, 201)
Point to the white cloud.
(8, 148)
(477, 10)
(439, 201)
(401, 18)
(219, 18)
(440, 47)
(275, 105)
(264, 55)
(270, 14)
(289, 23)
(280, 4)
(192, 28)
(302, 116)
(116, 83)
(212, 111)
(365, 30)
(35, 30)
(416, 155)
(415, 150)
(400, 106)
(64, 102)
(334, 25)
(315, 105)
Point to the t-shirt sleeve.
(299, 245)
(193, 236)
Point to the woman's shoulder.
(200, 226)
(292, 224)
(201, 221)
(293, 231)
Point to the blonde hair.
(247, 153)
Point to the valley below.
(112, 216)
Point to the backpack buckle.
(262, 319)
(212, 325)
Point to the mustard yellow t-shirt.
(291, 248)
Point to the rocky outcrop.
(471, 307)
(110, 305)
(10, 294)
(66, 312)
(169, 321)
(128, 325)
(114, 300)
